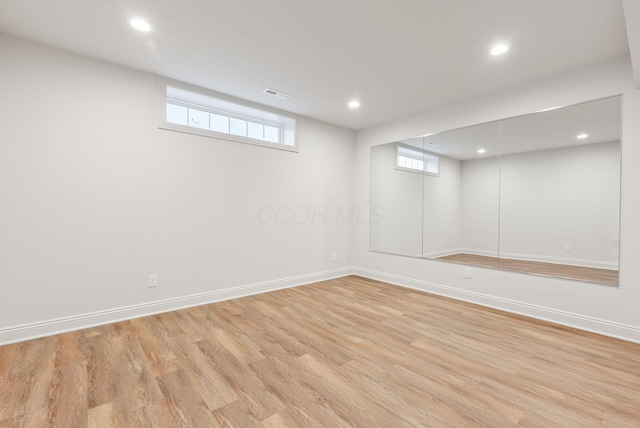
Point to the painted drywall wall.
(610, 310)
(94, 197)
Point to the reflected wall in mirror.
(396, 194)
(461, 207)
(538, 193)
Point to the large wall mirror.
(538, 194)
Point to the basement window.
(193, 110)
(413, 159)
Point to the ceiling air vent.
(277, 94)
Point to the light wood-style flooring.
(349, 352)
(580, 273)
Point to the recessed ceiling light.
(499, 49)
(354, 104)
(481, 151)
(433, 143)
(582, 136)
(140, 25)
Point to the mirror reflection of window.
(416, 160)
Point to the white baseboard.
(440, 253)
(488, 253)
(600, 264)
(594, 325)
(61, 325)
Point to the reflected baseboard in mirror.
(579, 273)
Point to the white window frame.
(414, 170)
(244, 110)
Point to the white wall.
(480, 193)
(94, 197)
(568, 196)
(610, 310)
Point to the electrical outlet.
(153, 281)
(334, 256)
(567, 247)
(467, 273)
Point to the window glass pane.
(411, 163)
(177, 114)
(238, 127)
(198, 119)
(211, 116)
(271, 133)
(417, 160)
(409, 153)
(256, 131)
(219, 123)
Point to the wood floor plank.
(339, 353)
(153, 415)
(234, 415)
(106, 415)
(304, 404)
(24, 393)
(280, 420)
(350, 405)
(258, 398)
(158, 344)
(68, 403)
(186, 406)
(117, 368)
(204, 378)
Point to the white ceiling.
(552, 129)
(397, 58)
(632, 16)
